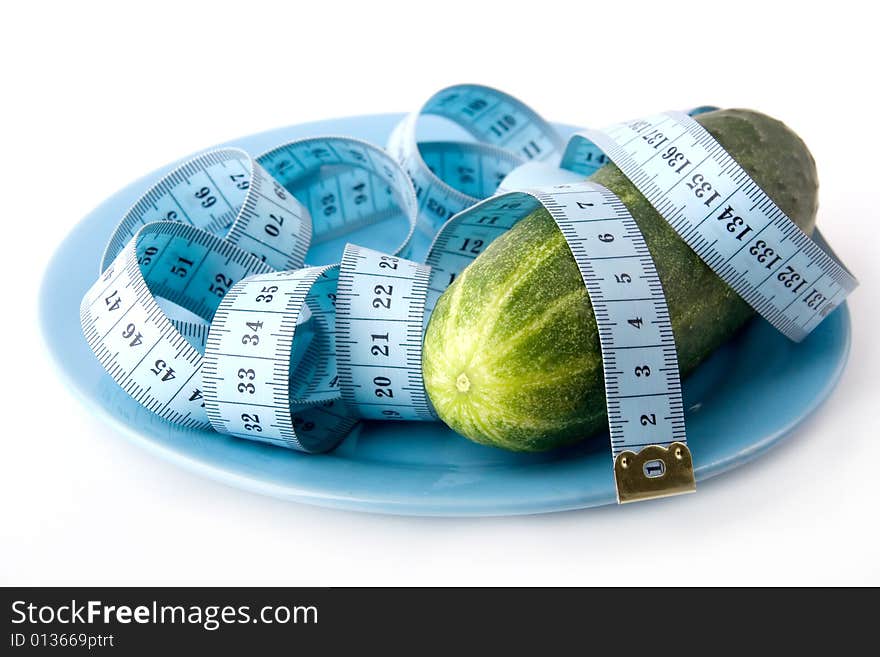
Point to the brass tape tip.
(655, 471)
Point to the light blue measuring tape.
(295, 357)
(451, 176)
(131, 334)
(643, 391)
(720, 212)
(345, 184)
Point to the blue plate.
(743, 400)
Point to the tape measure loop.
(130, 333)
(225, 193)
(507, 131)
(347, 185)
(255, 385)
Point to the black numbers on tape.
(274, 229)
(676, 159)
(623, 277)
(182, 267)
(113, 300)
(388, 262)
(700, 187)
(531, 150)
(736, 222)
(437, 208)
(606, 237)
(638, 126)
(471, 246)
(267, 293)
(204, 195)
(160, 368)
(642, 370)
(302, 425)
(380, 349)
(220, 285)
(791, 279)
(648, 418)
(361, 197)
(135, 335)
(814, 299)
(600, 159)
(466, 175)
(252, 338)
(251, 422)
(150, 251)
(383, 301)
(240, 180)
(763, 253)
(503, 125)
(383, 386)
(247, 375)
(655, 138)
(473, 107)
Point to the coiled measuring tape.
(132, 336)
(724, 216)
(451, 176)
(295, 357)
(346, 185)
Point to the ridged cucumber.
(511, 354)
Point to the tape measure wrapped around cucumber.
(555, 310)
(519, 326)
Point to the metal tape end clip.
(654, 472)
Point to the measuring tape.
(130, 333)
(643, 391)
(168, 246)
(223, 192)
(722, 214)
(256, 384)
(451, 176)
(294, 355)
(348, 187)
(380, 317)
(360, 358)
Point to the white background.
(93, 96)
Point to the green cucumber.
(511, 354)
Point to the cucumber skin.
(518, 324)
